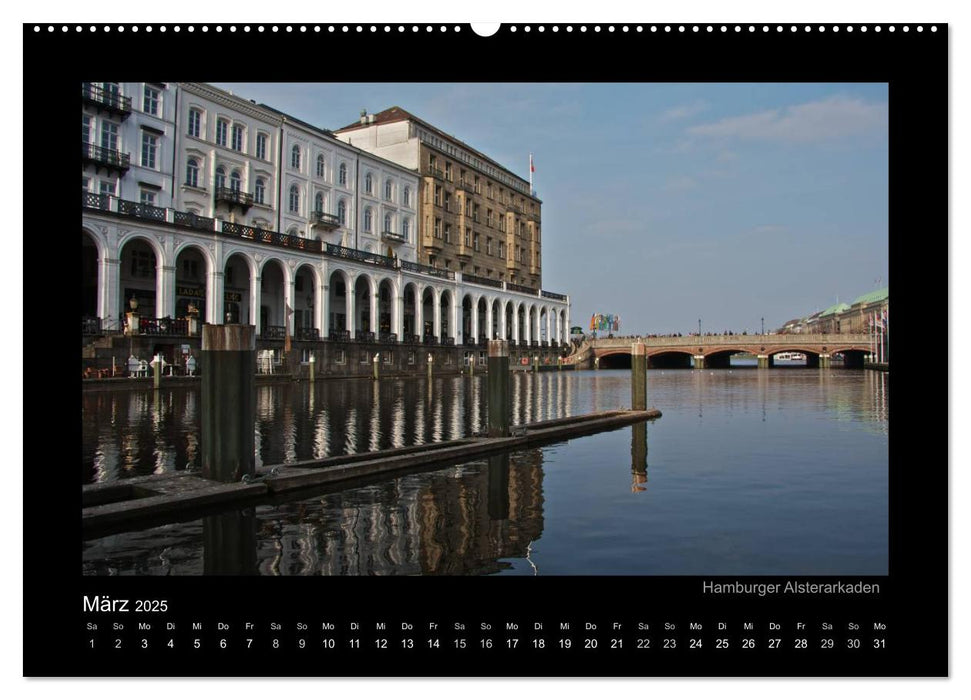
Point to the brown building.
(475, 216)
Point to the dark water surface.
(772, 472)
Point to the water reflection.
(465, 519)
(752, 473)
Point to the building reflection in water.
(229, 543)
(462, 520)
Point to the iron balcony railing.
(163, 326)
(448, 341)
(339, 336)
(141, 211)
(105, 156)
(107, 99)
(412, 339)
(322, 218)
(431, 340)
(553, 295)
(234, 196)
(436, 173)
(426, 269)
(90, 326)
(91, 200)
(475, 279)
(364, 336)
(519, 288)
(338, 251)
(386, 337)
(187, 218)
(274, 333)
(308, 334)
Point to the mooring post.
(499, 402)
(472, 364)
(374, 365)
(535, 363)
(431, 361)
(157, 370)
(228, 400)
(638, 377)
(313, 362)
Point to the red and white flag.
(532, 168)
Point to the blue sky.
(666, 203)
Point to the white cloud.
(831, 119)
(680, 183)
(684, 111)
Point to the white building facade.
(277, 224)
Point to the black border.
(913, 598)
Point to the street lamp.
(699, 327)
(763, 325)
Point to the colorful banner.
(604, 322)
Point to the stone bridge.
(715, 351)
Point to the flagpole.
(530, 174)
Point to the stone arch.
(306, 282)
(340, 311)
(239, 271)
(364, 297)
(410, 307)
(193, 268)
(274, 283)
(142, 260)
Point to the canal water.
(748, 472)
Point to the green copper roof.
(873, 297)
(835, 309)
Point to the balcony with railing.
(364, 336)
(465, 185)
(105, 157)
(234, 197)
(360, 256)
(92, 200)
(435, 173)
(325, 220)
(392, 237)
(412, 339)
(274, 333)
(475, 279)
(339, 336)
(553, 295)
(163, 326)
(430, 340)
(108, 100)
(187, 218)
(308, 334)
(519, 288)
(409, 266)
(386, 337)
(141, 211)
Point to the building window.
(220, 177)
(342, 211)
(448, 201)
(85, 184)
(222, 127)
(147, 197)
(320, 166)
(235, 181)
(294, 198)
(259, 193)
(468, 237)
(368, 183)
(340, 357)
(85, 128)
(438, 228)
(406, 197)
(192, 173)
(195, 122)
(502, 249)
(488, 246)
(149, 149)
(295, 157)
(106, 187)
(387, 222)
(475, 242)
(109, 136)
(448, 171)
(150, 101)
(142, 264)
(367, 219)
(237, 137)
(448, 233)
(438, 195)
(319, 202)
(405, 230)
(388, 190)
(261, 146)
(342, 175)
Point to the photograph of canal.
(509, 329)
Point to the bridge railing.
(775, 340)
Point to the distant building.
(476, 217)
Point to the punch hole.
(485, 29)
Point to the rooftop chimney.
(364, 116)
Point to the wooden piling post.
(228, 399)
(638, 377)
(499, 400)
